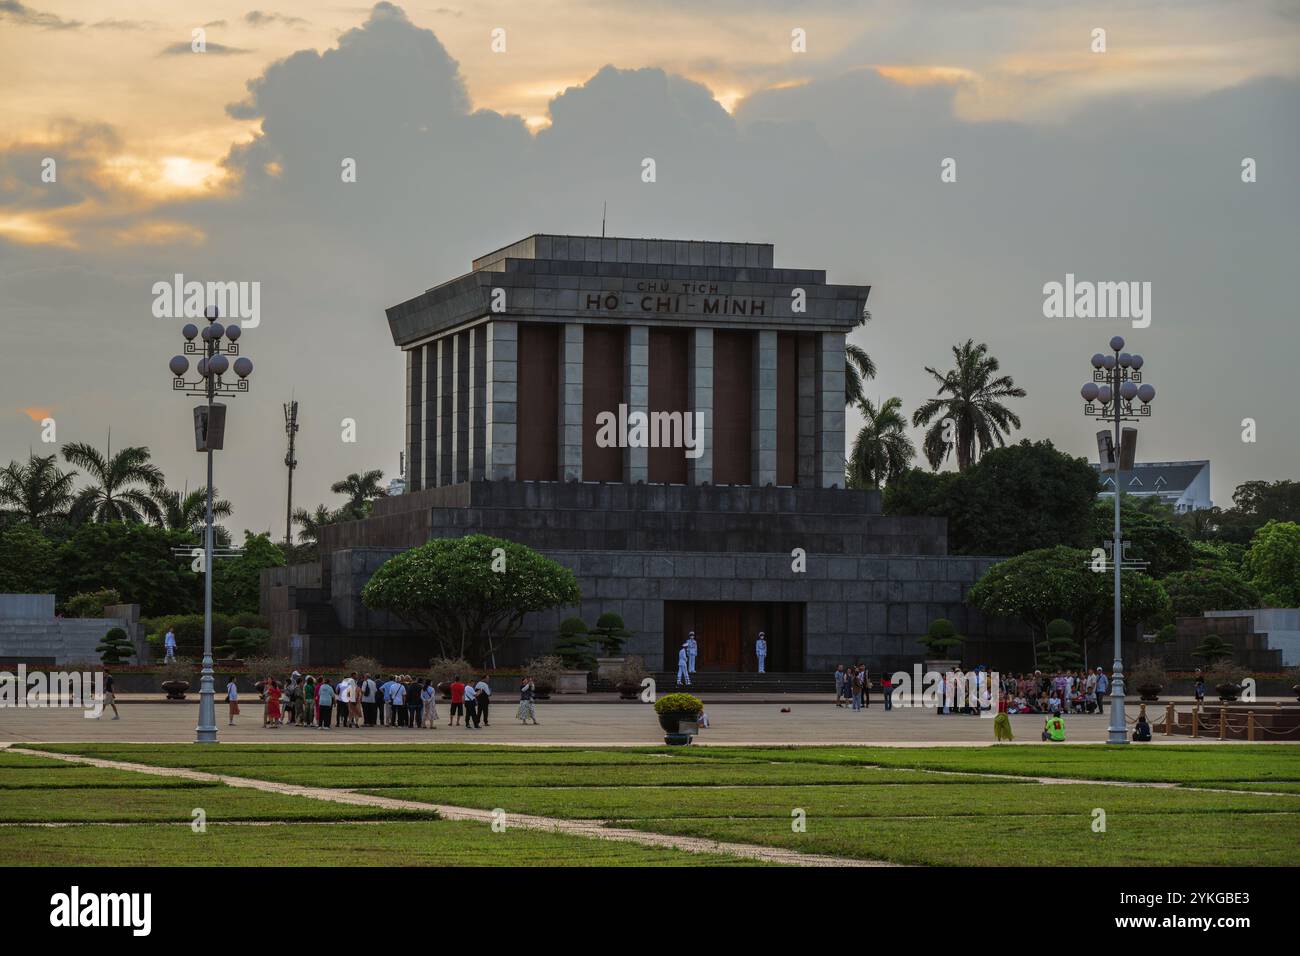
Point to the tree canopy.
(471, 592)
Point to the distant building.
(396, 486)
(1183, 485)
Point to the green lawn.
(904, 805)
(427, 843)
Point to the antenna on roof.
(604, 206)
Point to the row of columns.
(463, 395)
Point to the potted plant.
(176, 674)
(609, 635)
(628, 677)
(545, 672)
(1148, 676)
(1226, 678)
(940, 640)
(115, 647)
(673, 709)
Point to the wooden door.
(717, 630)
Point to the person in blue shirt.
(325, 698)
(1103, 686)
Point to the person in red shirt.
(457, 700)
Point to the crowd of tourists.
(365, 700)
(1057, 692)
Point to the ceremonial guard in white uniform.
(683, 674)
(692, 650)
(760, 648)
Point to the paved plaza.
(606, 722)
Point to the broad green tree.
(1038, 586)
(137, 561)
(971, 396)
(237, 584)
(1153, 537)
(1191, 593)
(471, 593)
(28, 561)
(1273, 563)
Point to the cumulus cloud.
(840, 173)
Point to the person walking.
(887, 689)
(325, 702)
(232, 700)
(368, 689)
(760, 651)
(429, 697)
(169, 646)
(110, 698)
(527, 711)
(470, 697)
(839, 685)
(457, 701)
(1103, 686)
(482, 698)
(273, 694)
(683, 666)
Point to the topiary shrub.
(1059, 650)
(942, 637)
(679, 705)
(573, 645)
(610, 633)
(115, 647)
(244, 642)
(360, 664)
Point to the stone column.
(460, 408)
(429, 468)
(636, 395)
(807, 467)
(763, 413)
(446, 379)
(570, 456)
(700, 385)
(414, 410)
(477, 398)
(830, 408)
(502, 398)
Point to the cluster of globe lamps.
(1128, 389)
(216, 363)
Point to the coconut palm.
(858, 367)
(360, 489)
(970, 396)
(37, 492)
(187, 511)
(310, 523)
(121, 486)
(882, 450)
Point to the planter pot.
(1150, 692)
(571, 682)
(674, 735)
(628, 691)
(1228, 692)
(607, 667)
(444, 690)
(1296, 690)
(176, 689)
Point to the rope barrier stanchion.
(1196, 723)
(1250, 725)
(1169, 718)
(1223, 720)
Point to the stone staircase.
(738, 682)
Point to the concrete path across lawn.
(594, 829)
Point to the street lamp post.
(209, 433)
(1117, 383)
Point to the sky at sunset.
(224, 164)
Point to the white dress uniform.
(760, 648)
(683, 674)
(692, 651)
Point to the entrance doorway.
(726, 631)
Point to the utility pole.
(290, 462)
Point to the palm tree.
(858, 367)
(187, 511)
(36, 492)
(114, 492)
(360, 489)
(311, 522)
(882, 451)
(969, 396)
